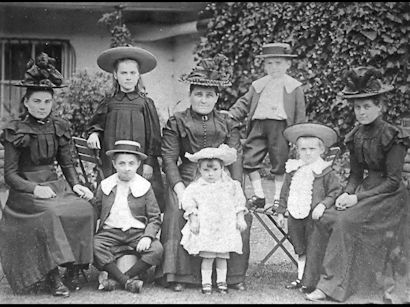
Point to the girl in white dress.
(214, 206)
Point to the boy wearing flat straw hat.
(272, 103)
(311, 186)
(129, 216)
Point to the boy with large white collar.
(129, 217)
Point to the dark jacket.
(294, 104)
(326, 188)
(143, 208)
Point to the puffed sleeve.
(152, 131)
(356, 169)
(170, 150)
(239, 197)
(97, 122)
(14, 140)
(189, 203)
(394, 143)
(64, 155)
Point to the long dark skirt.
(37, 235)
(349, 247)
(178, 265)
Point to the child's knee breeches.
(266, 137)
(299, 231)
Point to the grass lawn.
(265, 283)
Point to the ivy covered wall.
(328, 37)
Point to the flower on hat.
(210, 72)
(363, 82)
(42, 72)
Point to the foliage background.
(328, 37)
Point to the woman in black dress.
(351, 237)
(199, 126)
(47, 221)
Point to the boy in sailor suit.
(272, 103)
(129, 217)
(311, 186)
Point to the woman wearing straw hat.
(45, 224)
(190, 131)
(129, 114)
(354, 231)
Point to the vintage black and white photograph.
(204, 152)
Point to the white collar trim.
(138, 185)
(317, 167)
(289, 83)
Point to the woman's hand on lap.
(83, 192)
(43, 192)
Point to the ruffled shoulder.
(62, 127)
(16, 132)
(394, 135)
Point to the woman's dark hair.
(193, 86)
(30, 90)
(140, 84)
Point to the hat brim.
(384, 89)
(206, 82)
(276, 56)
(326, 134)
(146, 60)
(37, 86)
(141, 155)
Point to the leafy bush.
(78, 102)
(328, 38)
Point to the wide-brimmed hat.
(146, 60)
(41, 74)
(326, 134)
(361, 82)
(210, 72)
(276, 50)
(224, 153)
(127, 146)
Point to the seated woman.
(351, 237)
(189, 131)
(47, 222)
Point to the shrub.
(78, 102)
(328, 38)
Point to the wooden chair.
(270, 212)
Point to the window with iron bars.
(14, 55)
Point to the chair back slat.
(332, 154)
(79, 141)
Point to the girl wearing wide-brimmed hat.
(129, 114)
(351, 237)
(45, 223)
(272, 103)
(189, 131)
(214, 206)
(311, 186)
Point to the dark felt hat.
(362, 82)
(146, 60)
(41, 74)
(276, 50)
(326, 134)
(127, 146)
(210, 72)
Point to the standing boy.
(272, 103)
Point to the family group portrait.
(204, 153)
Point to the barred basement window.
(14, 55)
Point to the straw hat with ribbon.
(127, 146)
(276, 50)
